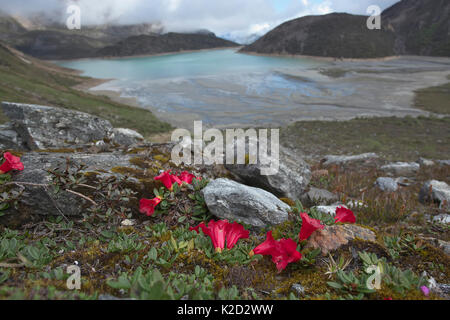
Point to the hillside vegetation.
(27, 80)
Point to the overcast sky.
(219, 16)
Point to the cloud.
(230, 16)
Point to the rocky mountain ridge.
(55, 41)
(409, 27)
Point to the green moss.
(67, 150)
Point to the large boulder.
(290, 181)
(43, 127)
(435, 191)
(39, 198)
(230, 200)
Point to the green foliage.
(200, 211)
(352, 285)
(398, 245)
(391, 275)
(125, 243)
(153, 286)
(8, 196)
(325, 218)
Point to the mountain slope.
(416, 27)
(332, 35)
(421, 26)
(29, 80)
(170, 42)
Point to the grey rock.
(41, 200)
(333, 159)
(445, 288)
(290, 181)
(230, 200)
(298, 289)
(401, 168)
(425, 162)
(331, 209)
(403, 181)
(444, 245)
(444, 162)
(442, 218)
(317, 196)
(42, 127)
(125, 137)
(435, 191)
(9, 138)
(386, 184)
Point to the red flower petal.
(221, 231)
(235, 232)
(309, 225)
(344, 215)
(218, 233)
(11, 163)
(166, 179)
(147, 206)
(283, 251)
(186, 177)
(268, 247)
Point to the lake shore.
(381, 88)
(325, 59)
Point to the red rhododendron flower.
(344, 215)
(222, 231)
(168, 179)
(309, 225)
(235, 232)
(283, 251)
(148, 206)
(11, 163)
(186, 177)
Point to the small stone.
(128, 222)
(442, 218)
(318, 196)
(435, 191)
(386, 184)
(331, 159)
(425, 162)
(401, 168)
(298, 289)
(331, 209)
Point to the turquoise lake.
(228, 89)
(183, 65)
